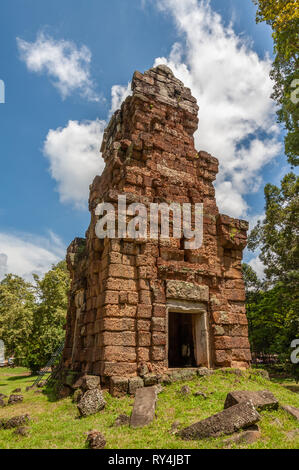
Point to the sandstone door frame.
(200, 329)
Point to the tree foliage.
(32, 316)
(278, 234)
(273, 320)
(283, 17)
(16, 314)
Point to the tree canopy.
(33, 315)
(283, 17)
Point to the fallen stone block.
(87, 382)
(90, 382)
(13, 399)
(92, 402)
(144, 407)
(96, 440)
(2, 403)
(150, 379)
(228, 421)
(15, 422)
(292, 411)
(245, 437)
(134, 384)
(17, 390)
(119, 386)
(262, 399)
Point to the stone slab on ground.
(262, 399)
(91, 402)
(227, 421)
(292, 411)
(144, 407)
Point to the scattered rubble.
(96, 440)
(15, 422)
(14, 399)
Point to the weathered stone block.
(187, 291)
(228, 421)
(262, 399)
(92, 402)
(119, 386)
(134, 384)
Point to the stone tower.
(151, 301)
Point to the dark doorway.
(180, 340)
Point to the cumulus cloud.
(68, 65)
(25, 254)
(233, 88)
(74, 156)
(118, 94)
(258, 266)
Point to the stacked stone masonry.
(121, 289)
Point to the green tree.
(16, 315)
(283, 17)
(49, 315)
(278, 234)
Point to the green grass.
(55, 424)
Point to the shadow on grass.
(51, 394)
(20, 377)
(292, 388)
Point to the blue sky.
(56, 109)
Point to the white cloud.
(233, 88)
(258, 266)
(74, 155)
(25, 254)
(118, 94)
(68, 65)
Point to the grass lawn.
(56, 425)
